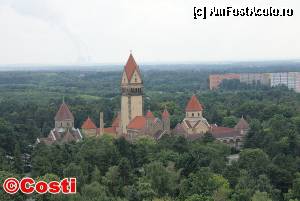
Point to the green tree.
(197, 197)
(260, 196)
(94, 190)
(229, 121)
(204, 183)
(113, 180)
(18, 161)
(255, 161)
(164, 181)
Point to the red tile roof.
(88, 124)
(139, 122)
(110, 130)
(130, 67)
(64, 113)
(149, 114)
(165, 114)
(193, 105)
(221, 132)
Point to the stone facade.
(64, 131)
(132, 93)
(194, 126)
(131, 123)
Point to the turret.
(166, 120)
(194, 108)
(64, 119)
(242, 126)
(149, 121)
(132, 93)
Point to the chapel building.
(64, 131)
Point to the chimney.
(101, 124)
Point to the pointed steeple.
(242, 124)
(131, 66)
(165, 114)
(64, 113)
(89, 124)
(149, 115)
(194, 105)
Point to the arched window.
(192, 114)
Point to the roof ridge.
(193, 104)
(130, 67)
(64, 113)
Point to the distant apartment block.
(289, 79)
(216, 80)
(255, 78)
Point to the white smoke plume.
(41, 10)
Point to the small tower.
(132, 93)
(194, 108)
(149, 122)
(194, 122)
(89, 128)
(242, 126)
(64, 119)
(166, 120)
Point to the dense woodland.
(172, 168)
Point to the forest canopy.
(172, 168)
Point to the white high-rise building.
(289, 79)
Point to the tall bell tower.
(132, 93)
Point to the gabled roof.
(193, 105)
(165, 114)
(68, 137)
(179, 130)
(88, 124)
(223, 132)
(149, 114)
(64, 113)
(139, 122)
(130, 67)
(242, 124)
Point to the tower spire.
(132, 93)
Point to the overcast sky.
(104, 31)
